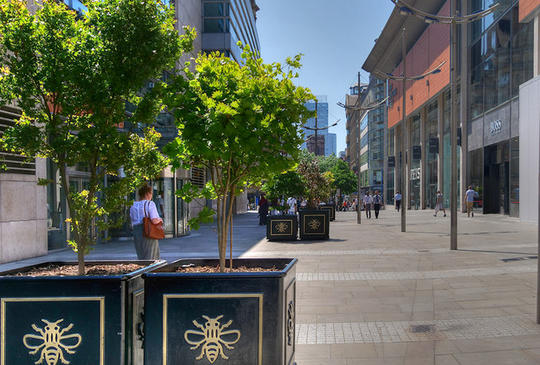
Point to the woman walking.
(439, 204)
(147, 248)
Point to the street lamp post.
(454, 19)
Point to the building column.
(408, 159)
(423, 146)
(397, 149)
(440, 135)
(464, 114)
(536, 45)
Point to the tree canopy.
(344, 178)
(72, 75)
(242, 122)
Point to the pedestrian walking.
(468, 201)
(377, 202)
(263, 210)
(368, 201)
(146, 248)
(397, 200)
(439, 204)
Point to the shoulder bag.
(151, 230)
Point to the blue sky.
(335, 37)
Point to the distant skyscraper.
(327, 147)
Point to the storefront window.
(514, 177)
(415, 165)
(431, 144)
(476, 174)
(163, 197)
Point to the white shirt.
(368, 199)
(291, 202)
(136, 212)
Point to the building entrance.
(496, 179)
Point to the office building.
(497, 63)
(328, 145)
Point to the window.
(198, 177)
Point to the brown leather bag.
(151, 230)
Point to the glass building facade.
(227, 22)
(501, 59)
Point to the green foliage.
(72, 76)
(241, 122)
(344, 178)
(284, 185)
(318, 185)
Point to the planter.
(252, 315)
(314, 224)
(94, 319)
(282, 228)
(331, 209)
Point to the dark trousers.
(398, 204)
(376, 208)
(262, 217)
(367, 208)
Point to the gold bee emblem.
(213, 337)
(52, 341)
(314, 224)
(282, 227)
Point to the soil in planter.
(73, 270)
(215, 269)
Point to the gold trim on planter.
(101, 301)
(166, 297)
(281, 234)
(314, 215)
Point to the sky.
(335, 37)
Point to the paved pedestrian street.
(373, 295)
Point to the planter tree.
(318, 185)
(344, 178)
(72, 75)
(284, 185)
(242, 123)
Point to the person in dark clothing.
(263, 210)
(377, 202)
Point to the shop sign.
(415, 174)
(495, 127)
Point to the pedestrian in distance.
(263, 210)
(146, 248)
(377, 202)
(368, 202)
(397, 200)
(470, 194)
(291, 203)
(439, 204)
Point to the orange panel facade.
(527, 7)
(432, 48)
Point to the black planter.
(331, 209)
(282, 228)
(96, 319)
(314, 224)
(252, 315)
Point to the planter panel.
(282, 228)
(231, 318)
(89, 316)
(314, 225)
(331, 209)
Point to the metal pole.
(453, 128)
(403, 162)
(538, 271)
(316, 127)
(358, 210)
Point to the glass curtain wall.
(431, 145)
(501, 60)
(389, 183)
(415, 158)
